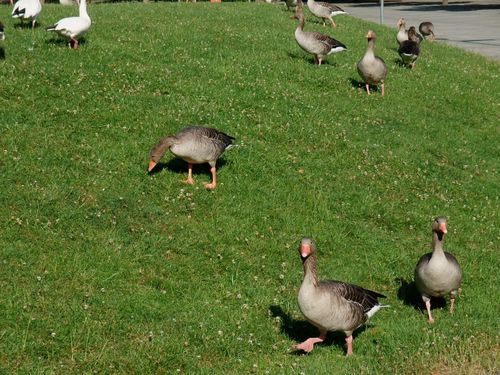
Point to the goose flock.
(72, 28)
(327, 304)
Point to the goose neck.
(437, 243)
(310, 273)
(83, 9)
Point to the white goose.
(73, 27)
(27, 10)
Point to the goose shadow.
(301, 330)
(27, 25)
(2, 53)
(309, 60)
(62, 41)
(361, 85)
(179, 166)
(409, 295)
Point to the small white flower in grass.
(220, 333)
(53, 334)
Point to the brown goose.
(438, 273)
(195, 145)
(402, 34)
(409, 50)
(315, 43)
(332, 305)
(372, 68)
(427, 30)
(325, 10)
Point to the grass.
(106, 269)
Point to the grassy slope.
(107, 269)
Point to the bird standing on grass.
(195, 145)
(402, 34)
(409, 50)
(325, 11)
(372, 68)
(73, 27)
(438, 273)
(427, 30)
(332, 305)
(315, 43)
(27, 10)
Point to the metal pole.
(381, 12)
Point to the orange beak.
(151, 165)
(442, 228)
(305, 250)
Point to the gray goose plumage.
(409, 50)
(438, 273)
(427, 30)
(372, 68)
(402, 34)
(332, 305)
(313, 42)
(325, 10)
(195, 145)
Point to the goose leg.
(453, 294)
(75, 43)
(214, 179)
(190, 180)
(427, 301)
(383, 88)
(348, 341)
(333, 23)
(367, 88)
(308, 345)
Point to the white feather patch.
(337, 49)
(374, 309)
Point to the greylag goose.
(409, 49)
(427, 30)
(27, 10)
(413, 35)
(195, 145)
(438, 273)
(313, 42)
(332, 305)
(73, 27)
(402, 34)
(372, 68)
(325, 10)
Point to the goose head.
(412, 34)
(439, 227)
(306, 248)
(158, 151)
(370, 35)
(299, 13)
(401, 23)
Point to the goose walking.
(73, 28)
(409, 50)
(27, 10)
(402, 34)
(313, 42)
(372, 68)
(427, 30)
(325, 11)
(332, 305)
(438, 273)
(195, 145)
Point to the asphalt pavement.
(473, 25)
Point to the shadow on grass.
(410, 296)
(179, 166)
(27, 25)
(311, 61)
(301, 330)
(63, 41)
(2, 53)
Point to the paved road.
(470, 24)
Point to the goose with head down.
(195, 145)
(27, 10)
(427, 30)
(438, 273)
(332, 305)
(313, 42)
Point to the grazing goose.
(27, 10)
(427, 30)
(409, 49)
(402, 34)
(73, 27)
(315, 43)
(195, 145)
(332, 305)
(372, 68)
(325, 10)
(438, 273)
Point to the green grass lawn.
(107, 269)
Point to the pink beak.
(305, 250)
(442, 228)
(151, 165)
